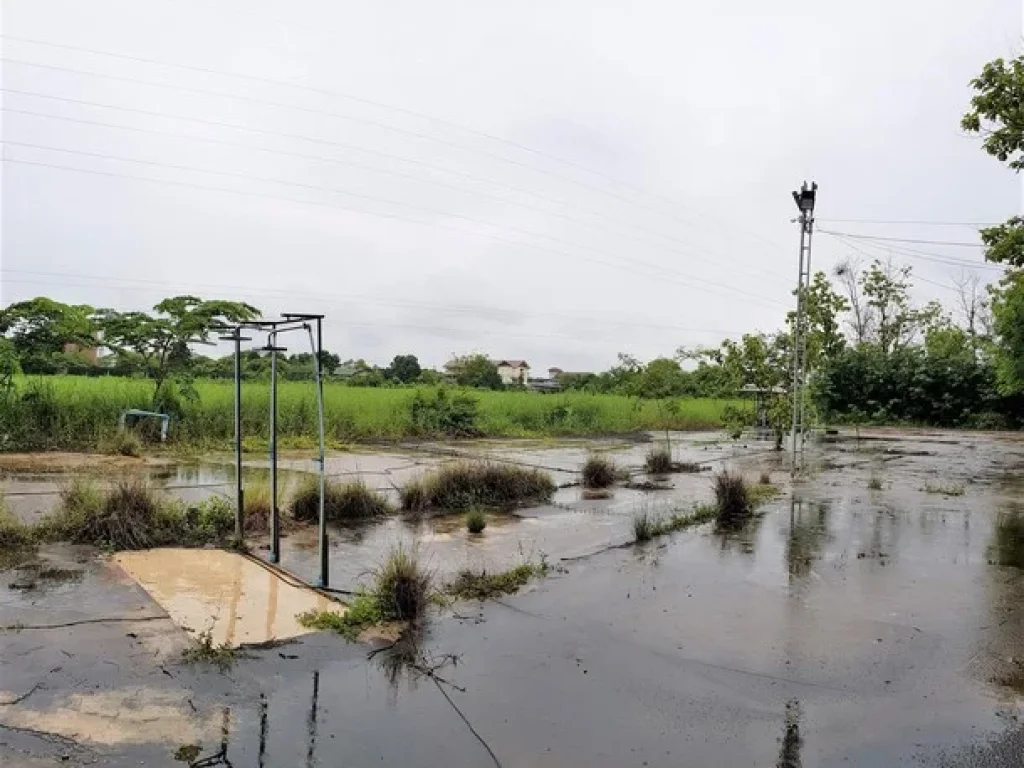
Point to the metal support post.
(317, 345)
(805, 200)
(275, 521)
(239, 509)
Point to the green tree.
(824, 307)
(160, 343)
(997, 113)
(41, 328)
(404, 369)
(476, 371)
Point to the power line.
(903, 239)
(431, 211)
(910, 253)
(381, 105)
(906, 222)
(163, 285)
(373, 169)
(367, 121)
(377, 324)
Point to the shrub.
(766, 478)
(644, 525)
(443, 414)
(659, 461)
(13, 533)
(475, 521)
(874, 483)
(126, 443)
(401, 586)
(731, 497)
(256, 504)
(598, 472)
(467, 484)
(353, 500)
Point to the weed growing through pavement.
(203, 651)
(475, 521)
(598, 472)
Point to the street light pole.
(805, 199)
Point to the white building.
(512, 371)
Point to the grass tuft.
(125, 442)
(766, 478)
(466, 484)
(644, 525)
(731, 498)
(953, 489)
(400, 592)
(658, 461)
(13, 533)
(874, 483)
(256, 503)
(203, 651)
(598, 472)
(342, 501)
(471, 585)
(475, 521)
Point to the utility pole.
(804, 199)
(237, 337)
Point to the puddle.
(233, 598)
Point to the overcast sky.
(556, 181)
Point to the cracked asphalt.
(843, 626)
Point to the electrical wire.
(949, 261)
(431, 211)
(402, 110)
(373, 169)
(902, 239)
(911, 222)
(162, 286)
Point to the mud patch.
(234, 599)
(127, 716)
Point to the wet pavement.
(845, 626)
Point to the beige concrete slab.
(211, 590)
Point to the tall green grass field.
(78, 412)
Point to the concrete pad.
(226, 594)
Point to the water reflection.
(792, 744)
(808, 534)
(1008, 536)
(739, 537)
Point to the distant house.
(544, 386)
(512, 371)
(554, 373)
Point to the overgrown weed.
(466, 484)
(598, 472)
(353, 500)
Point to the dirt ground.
(845, 626)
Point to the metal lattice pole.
(805, 199)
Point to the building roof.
(512, 363)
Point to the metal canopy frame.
(292, 321)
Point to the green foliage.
(1005, 242)
(451, 415)
(360, 613)
(732, 498)
(256, 504)
(659, 460)
(13, 533)
(475, 371)
(161, 343)
(598, 472)
(404, 368)
(353, 500)
(203, 651)
(645, 526)
(465, 484)
(481, 585)
(132, 516)
(996, 110)
(823, 308)
(1008, 317)
(401, 586)
(125, 443)
(475, 521)
(40, 329)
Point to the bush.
(659, 461)
(256, 504)
(401, 586)
(731, 497)
(13, 533)
(644, 525)
(598, 472)
(467, 484)
(353, 500)
(125, 443)
(452, 416)
(132, 516)
(475, 521)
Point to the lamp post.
(805, 198)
